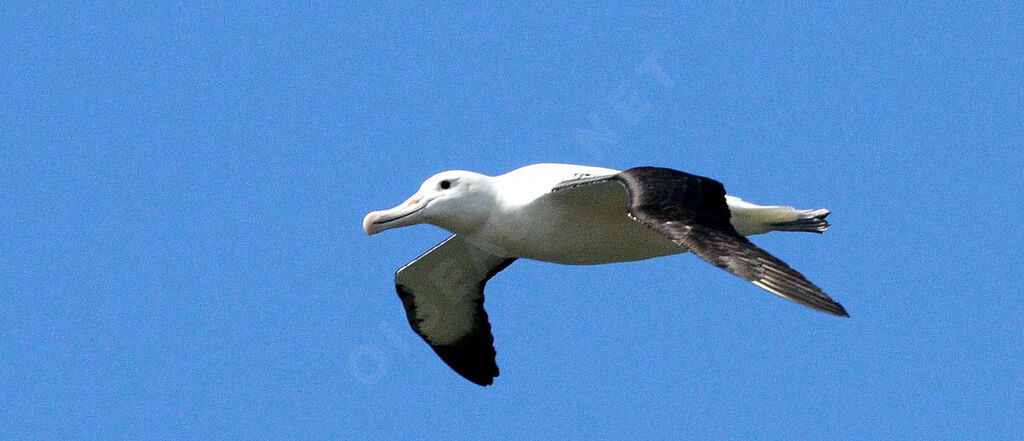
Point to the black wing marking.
(443, 295)
(691, 211)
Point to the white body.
(570, 228)
(521, 217)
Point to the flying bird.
(577, 215)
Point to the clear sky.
(182, 187)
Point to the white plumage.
(574, 214)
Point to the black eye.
(445, 184)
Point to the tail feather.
(749, 219)
(811, 221)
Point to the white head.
(458, 201)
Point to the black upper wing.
(691, 211)
(443, 295)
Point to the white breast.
(588, 225)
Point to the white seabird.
(579, 215)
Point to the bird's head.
(456, 200)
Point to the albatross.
(577, 215)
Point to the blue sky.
(182, 187)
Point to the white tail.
(749, 219)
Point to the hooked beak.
(400, 216)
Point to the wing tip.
(462, 359)
(821, 302)
(483, 381)
(830, 307)
(840, 311)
